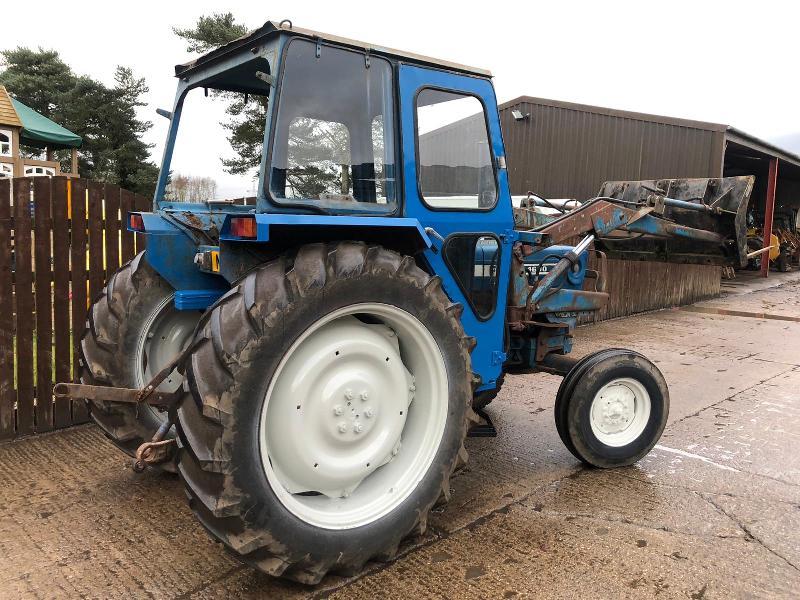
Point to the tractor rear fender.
(277, 228)
(274, 233)
(173, 239)
(171, 248)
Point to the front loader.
(311, 365)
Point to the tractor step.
(485, 429)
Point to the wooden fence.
(59, 240)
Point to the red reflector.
(136, 222)
(243, 227)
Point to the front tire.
(280, 459)
(611, 408)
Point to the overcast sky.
(727, 62)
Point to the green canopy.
(39, 131)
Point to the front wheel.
(330, 401)
(612, 408)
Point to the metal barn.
(565, 150)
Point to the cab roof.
(271, 28)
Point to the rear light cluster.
(243, 227)
(136, 222)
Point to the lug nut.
(348, 393)
(364, 396)
(358, 428)
(342, 427)
(338, 410)
(369, 413)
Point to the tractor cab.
(350, 128)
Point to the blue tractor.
(311, 364)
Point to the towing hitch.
(158, 449)
(102, 393)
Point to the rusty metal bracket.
(149, 394)
(152, 453)
(102, 393)
(157, 450)
(159, 378)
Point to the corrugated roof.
(613, 112)
(8, 116)
(271, 27)
(751, 141)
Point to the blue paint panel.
(530, 237)
(171, 252)
(499, 220)
(196, 299)
(569, 300)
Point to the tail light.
(135, 222)
(243, 227)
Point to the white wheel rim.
(354, 416)
(620, 411)
(165, 333)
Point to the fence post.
(42, 193)
(78, 258)
(62, 416)
(7, 391)
(23, 292)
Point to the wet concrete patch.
(533, 555)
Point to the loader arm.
(707, 216)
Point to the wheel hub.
(339, 410)
(620, 411)
(166, 332)
(354, 415)
(618, 405)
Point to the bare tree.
(191, 188)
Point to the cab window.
(333, 144)
(454, 158)
(474, 260)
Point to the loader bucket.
(721, 207)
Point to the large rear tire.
(132, 331)
(330, 401)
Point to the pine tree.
(105, 117)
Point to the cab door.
(456, 185)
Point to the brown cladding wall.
(639, 286)
(565, 150)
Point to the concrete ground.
(712, 512)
